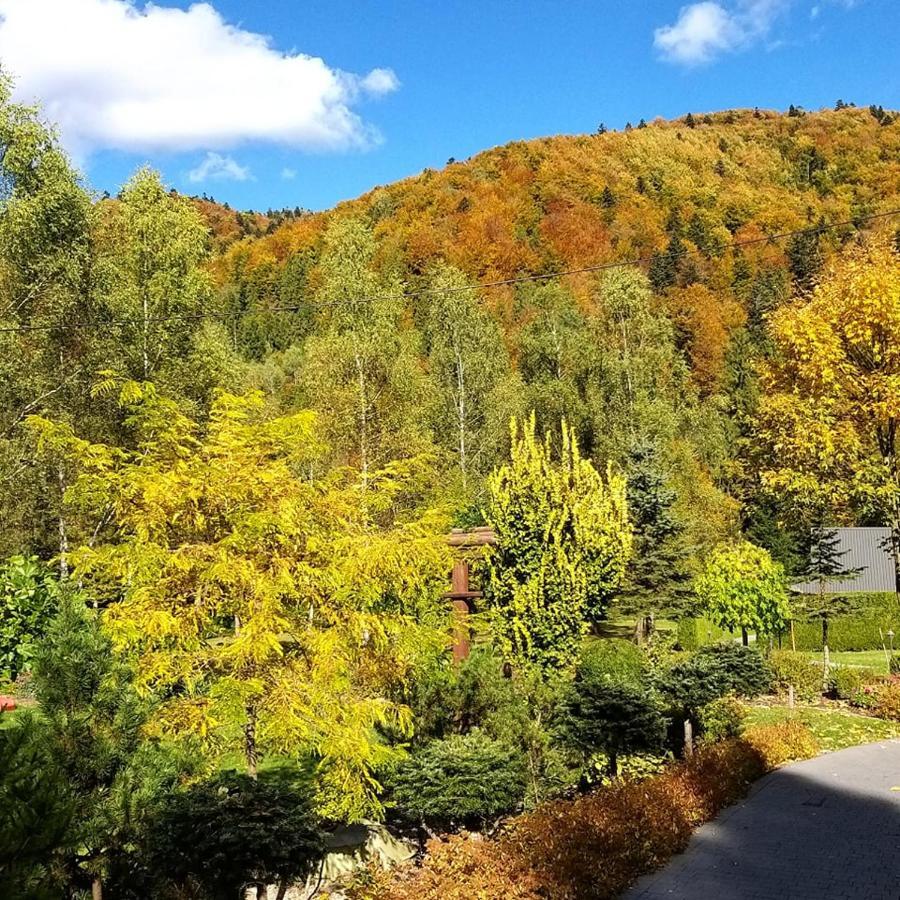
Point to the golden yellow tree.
(272, 610)
(828, 420)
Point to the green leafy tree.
(45, 366)
(28, 602)
(563, 540)
(468, 363)
(271, 610)
(150, 275)
(557, 358)
(362, 371)
(741, 587)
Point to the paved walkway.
(824, 829)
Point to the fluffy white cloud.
(113, 74)
(215, 167)
(707, 29)
(288, 174)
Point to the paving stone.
(824, 829)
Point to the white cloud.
(707, 29)
(288, 174)
(215, 167)
(114, 74)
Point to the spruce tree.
(656, 579)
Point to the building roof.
(865, 552)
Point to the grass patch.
(862, 659)
(834, 729)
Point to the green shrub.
(696, 632)
(713, 672)
(862, 629)
(29, 598)
(222, 834)
(615, 719)
(461, 780)
(746, 672)
(619, 660)
(798, 670)
(721, 719)
(847, 682)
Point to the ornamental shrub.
(747, 673)
(618, 660)
(592, 847)
(29, 598)
(798, 670)
(721, 719)
(847, 682)
(887, 700)
(781, 743)
(614, 719)
(461, 780)
(213, 838)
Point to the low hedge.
(594, 846)
(854, 631)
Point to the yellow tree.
(827, 425)
(272, 611)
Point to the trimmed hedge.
(854, 631)
(593, 847)
(696, 633)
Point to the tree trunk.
(461, 414)
(282, 889)
(63, 532)
(825, 655)
(614, 764)
(262, 891)
(688, 738)
(745, 638)
(251, 751)
(363, 422)
(97, 889)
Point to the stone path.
(824, 829)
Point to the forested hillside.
(652, 363)
(386, 317)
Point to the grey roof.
(866, 551)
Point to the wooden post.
(461, 595)
(459, 591)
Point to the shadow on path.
(824, 829)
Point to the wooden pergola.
(461, 596)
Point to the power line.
(431, 292)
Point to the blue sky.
(284, 103)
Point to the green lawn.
(835, 729)
(868, 659)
